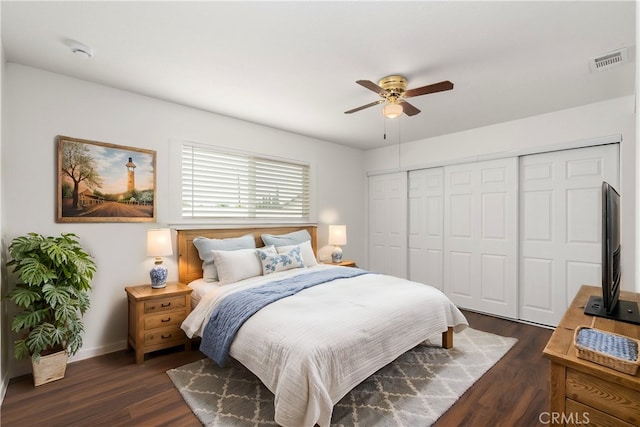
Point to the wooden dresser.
(584, 392)
(155, 316)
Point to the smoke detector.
(609, 60)
(79, 49)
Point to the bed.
(311, 348)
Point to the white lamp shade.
(391, 111)
(159, 242)
(337, 235)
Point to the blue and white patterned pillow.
(280, 262)
(306, 251)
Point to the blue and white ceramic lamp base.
(336, 255)
(158, 276)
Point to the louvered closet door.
(560, 221)
(388, 224)
(426, 209)
(481, 232)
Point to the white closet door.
(481, 236)
(426, 209)
(560, 221)
(388, 224)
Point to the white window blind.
(224, 184)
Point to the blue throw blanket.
(236, 308)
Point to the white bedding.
(312, 348)
(200, 288)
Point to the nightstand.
(155, 316)
(345, 263)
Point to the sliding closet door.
(388, 224)
(560, 221)
(426, 188)
(481, 236)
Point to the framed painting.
(101, 182)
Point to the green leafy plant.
(54, 280)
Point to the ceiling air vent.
(609, 60)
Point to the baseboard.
(526, 322)
(98, 351)
(21, 367)
(4, 383)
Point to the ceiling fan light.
(391, 111)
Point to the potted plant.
(54, 279)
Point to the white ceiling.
(293, 65)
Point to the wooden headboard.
(190, 264)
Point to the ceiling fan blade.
(372, 86)
(424, 90)
(409, 109)
(365, 106)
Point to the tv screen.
(610, 247)
(609, 305)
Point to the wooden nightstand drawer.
(164, 320)
(164, 336)
(164, 304)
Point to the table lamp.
(337, 238)
(159, 245)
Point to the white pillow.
(205, 245)
(209, 272)
(293, 238)
(306, 251)
(237, 265)
(280, 262)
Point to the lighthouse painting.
(102, 182)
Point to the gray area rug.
(414, 390)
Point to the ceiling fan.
(393, 91)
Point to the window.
(224, 184)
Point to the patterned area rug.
(414, 390)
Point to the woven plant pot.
(50, 368)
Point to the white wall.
(4, 322)
(42, 105)
(612, 117)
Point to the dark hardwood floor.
(111, 390)
(516, 390)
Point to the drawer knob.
(165, 304)
(164, 337)
(165, 320)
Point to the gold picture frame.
(102, 182)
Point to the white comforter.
(312, 348)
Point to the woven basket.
(604, 358)
(51, 368)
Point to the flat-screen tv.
(610, 305)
